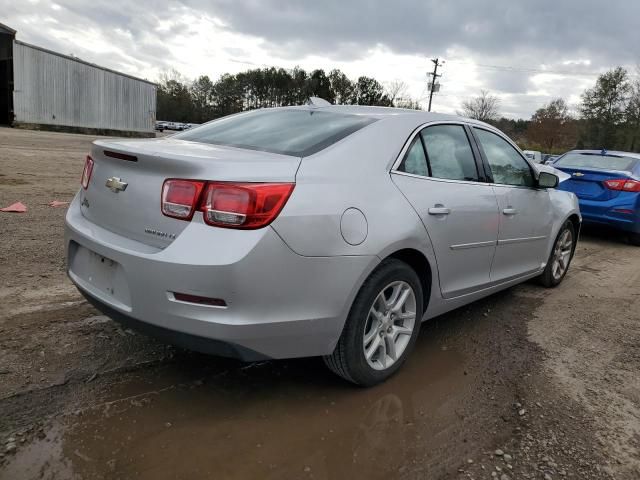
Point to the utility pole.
(433, 86)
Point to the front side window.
(415, 161)
(507, 166)
(449, 153)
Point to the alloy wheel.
(389, 325)
(562, 254)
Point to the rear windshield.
(285, 131)
(596, 160)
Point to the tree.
(228, 95)
(396, 90)
(483, 107)
(202, 98)
(632, 114)
(552, 128)
(407, 102)
(320, 86)
(604, 107)
(370, 92)
(343, 88)
(174, 98)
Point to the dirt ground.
(528, 383)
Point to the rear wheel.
(560, 257)
(634, 238)
(382, 326)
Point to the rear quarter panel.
(354, 173)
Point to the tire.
(551, 277)
(348, 360)
(634, 239)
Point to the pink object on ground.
(17, 207)
(57, 203)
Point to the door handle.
(510, 211)
(439, 210)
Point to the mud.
(547, 376)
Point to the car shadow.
(604, 233)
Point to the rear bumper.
(612, 213)
(279, 304)
(174, 337)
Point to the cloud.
(489, 28)
(503, 46)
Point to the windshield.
(596, 160)
(297, 132)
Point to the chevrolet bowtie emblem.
(116, 184)
(578, 174)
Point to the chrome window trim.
(409, 141)
(435, 179)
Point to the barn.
(43, 89)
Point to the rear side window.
(415, 161)
(596, 160)
(507, 165)
(297, 132)
(449, 153)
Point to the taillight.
(243, 205)
(623, 184)
(86, 172)
(225, 204)
(180, 197)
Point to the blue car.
(607, 185)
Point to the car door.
(525, 210)
(439, 175)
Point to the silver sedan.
(328, 231)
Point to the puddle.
(273, 420)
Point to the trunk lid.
(588, 183)
(135, 211)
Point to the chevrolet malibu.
(329, 231)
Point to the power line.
(520, 69)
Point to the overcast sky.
(526, 52)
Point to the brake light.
(180, 197)
(225, 204)
(86, 172)
(243, 205)
(623, 184)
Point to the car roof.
(609, 152)
(420, 116)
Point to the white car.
(313, 231)
(533, 155)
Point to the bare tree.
(633, 114)
(396, 90)
(483, 107)
(552, 128)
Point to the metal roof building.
(44, 89)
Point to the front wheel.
(634, 238)
(560, 257)
(382, 326)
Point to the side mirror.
(548, 180)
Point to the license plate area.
(102, 272)
(100, 275)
